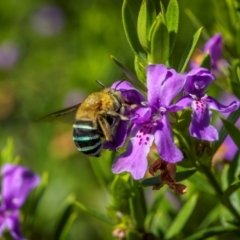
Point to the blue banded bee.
(94, 119)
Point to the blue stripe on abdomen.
(87, 138)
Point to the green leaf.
(233, 117)
(214, 231)
(121, 193)
(180, 176)
(132, 78)
(66, 219)
(146, 17)
(236, 88)
(94, 213)
(233, 131)
(138, 205)
(182, 217)
(172, 18)
(7, 154)
(184, 120)
(130, 29)
(235, 77)
(140, 69)
(65, 231)
(230, 190)
(206, 62)
(234, 169)
(188, 51)
(210, 218)
(159, 43)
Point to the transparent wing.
(60, 113)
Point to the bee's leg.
(117, 115)
(105, 127)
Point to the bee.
(94, 119)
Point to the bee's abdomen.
(87, 138)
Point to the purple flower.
(150, 123)
(132, 97)
(48, 20)
(17, 183)
(214, 47)
(9, 55)
(197, 81)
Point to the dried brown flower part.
(119, 233)
(167, 176)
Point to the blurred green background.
(51, 54)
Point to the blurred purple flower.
(197, 81)
(228, 148)
(17, 183)
(214, 47)
(150, 123)
(9, 55)
(48, 20)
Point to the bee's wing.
(59, 113)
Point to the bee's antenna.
(119, 83)
(100, 83)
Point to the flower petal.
(167, 149)
(200, 125)
(197, 80)
(214, 104)
(129, 92)
(171, 87)
(141, 115)
(17, 183)
(156, 75)
(181, 104)
(163, 84)
(134, 159)
(119, 136)
(13, 224)
(214, 47)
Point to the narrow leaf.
(233, 131)
(233, 117)
(66, 218)
(230, 190)
(180, 176)
(172, 18)
(234, 169)
(188, 51)
(146, 17)
(214, 231)
(130, 29)
(132, 78)
(159, 43)
(182, 217)
(65, 231)
(94, 213)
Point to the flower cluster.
(17, 183)
(150, 122)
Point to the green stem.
(219, 192)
